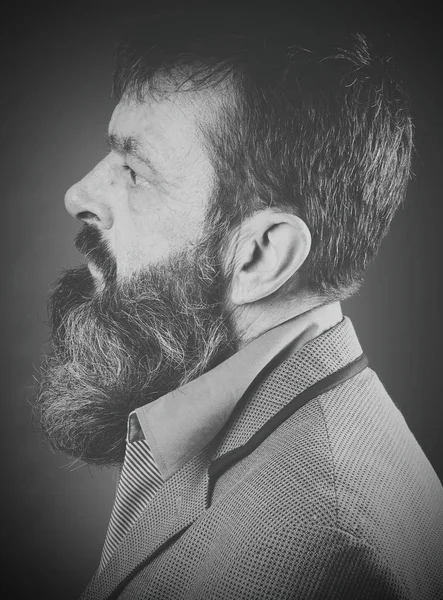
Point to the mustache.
(90, 243)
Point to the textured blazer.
(338, 501)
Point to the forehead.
(167, 128)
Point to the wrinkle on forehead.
(171, 131)
(200, 107)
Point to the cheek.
(176, 214)
(154, 230)
(143, 201)
(152, 224)
(155, 218)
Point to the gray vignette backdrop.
(57, 64)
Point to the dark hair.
(323, 132)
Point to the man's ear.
(269, 248)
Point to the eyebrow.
(130, 145)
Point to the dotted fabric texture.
(338, 502)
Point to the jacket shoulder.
(345, 475)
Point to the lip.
(97, 275)
(94, 270)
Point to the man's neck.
(252, 321)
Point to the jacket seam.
(332, 459)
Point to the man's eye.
(132, 173)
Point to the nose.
(87, 205)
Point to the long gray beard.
(116, 350)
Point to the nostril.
(87, 216)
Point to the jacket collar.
(317, 359)
(184, 497)
(178, 425)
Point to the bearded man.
(202, 350)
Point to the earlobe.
(271, 248)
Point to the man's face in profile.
(149, 196)
(145, 315)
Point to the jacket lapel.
(176, 506)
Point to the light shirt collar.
(178, 425)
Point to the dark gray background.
(56, 70)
